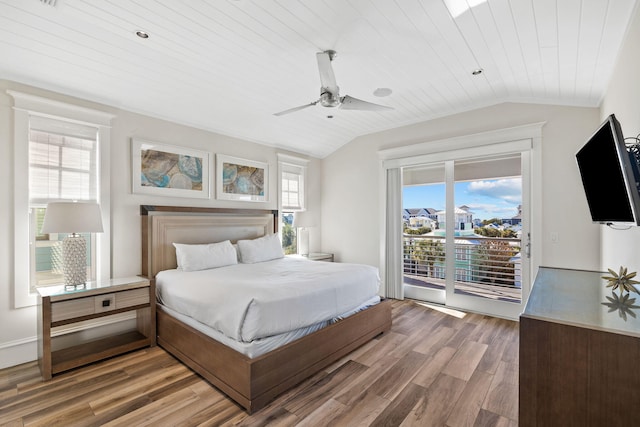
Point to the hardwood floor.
(431, 369)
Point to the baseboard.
(17, 352)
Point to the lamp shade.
(303, 219)
(72, 217)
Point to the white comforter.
(250, 301)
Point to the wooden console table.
(578, 361)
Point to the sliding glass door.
(465, 232)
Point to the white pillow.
(261, 249)
(203, 257)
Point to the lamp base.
(304, 241)
(74, 260)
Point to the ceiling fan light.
(382, 92)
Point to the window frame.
(292, 164)
(525, 139)
(26, 105)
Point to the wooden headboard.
(164, 225)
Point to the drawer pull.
(104, 303)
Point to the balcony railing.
(483, 261)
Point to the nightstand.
(319, 256)
(59, 306)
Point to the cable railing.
(478, 260)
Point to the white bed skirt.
(262, 346)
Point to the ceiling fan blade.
(293, 110)
(327, 78)
(351, 103)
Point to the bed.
(251, 375)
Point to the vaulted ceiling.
(228, 65)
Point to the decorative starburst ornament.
(623, 280)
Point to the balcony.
(485, 267)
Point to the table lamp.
(73, 218)
(303, 220)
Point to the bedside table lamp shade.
(73, 218)
(303, 220)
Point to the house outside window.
(292, 176)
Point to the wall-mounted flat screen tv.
(610, 176)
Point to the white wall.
(125, 219)
(622, 248)
(351, 187)
(18, 331)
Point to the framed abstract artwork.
(240, 179)
(169, 170)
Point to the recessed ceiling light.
(477, 71)
(142, 34)
(382, 91)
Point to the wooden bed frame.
(252, 383)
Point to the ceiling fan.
(329, 91)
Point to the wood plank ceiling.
(228, 65)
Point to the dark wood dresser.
(579, 361)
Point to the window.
(62, 167)
(61, 152)
(292, 174)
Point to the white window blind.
(291, 186)
(62, 161)
(292, 177)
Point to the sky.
(491, 198)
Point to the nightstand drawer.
(87, 306)
(132, 297)
(79, 307)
